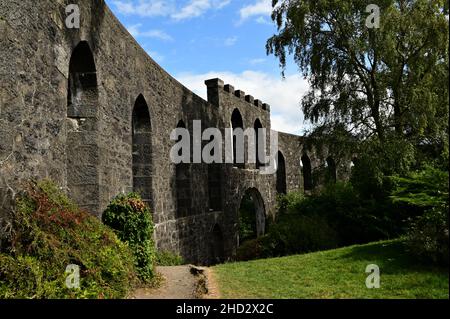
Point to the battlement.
(214, 86)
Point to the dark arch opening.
(307, 173)
(217, 254)
(82, 88)
(142, 150)
(281, 174)
(331, 170)
(183, 183)
(252, 216)
(236, 122)
(259, 144)
(354, 162)
(82, 152)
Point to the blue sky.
(199, 39)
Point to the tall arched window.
(217, 254)
(82, 89)
(238, 140)
(331, 170)
(82, 151)
(142, 150)
(353, 163)
(259, 144)
(281, 174)
(307, 173)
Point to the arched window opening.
(307, 173)
(82, 151)
(82, 86)
(353, 163)
(281, 174)
(331, 170)
(238, 140)
(142, 150)
(252, 216)
(259, 144)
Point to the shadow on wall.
(217, 246)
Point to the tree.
(381, 84)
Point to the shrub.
(427, 188)
(358, 220)
(300, 234)
(289, 203)
(168, 258)
(250, 249)
(49, 232)
(428, 237)
(130, 218)
(426, 193)
(355, 220)
(291, 235)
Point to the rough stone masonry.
(89, 109)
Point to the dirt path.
(213, 291)
(178, 283)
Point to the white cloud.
(230, 41)
(263, 20)
(168, 8)
(134, 29)
(154, 33)
(259, 8)
(221, 4)
(193, 9)
(283, 95)
(257, 61)
(159, 34)
(155, 56)
(145, 8)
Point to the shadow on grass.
(393, 257)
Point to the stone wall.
(92, 111)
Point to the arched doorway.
(252, 216)
(281, 173)
(238, 139)
(331, 170)
(142, 150)
(307, 173)
(82, 151)
(217, 251)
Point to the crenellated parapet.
(216, 86)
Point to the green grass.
(338, 273)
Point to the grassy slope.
(336, 273)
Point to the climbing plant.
(130, 218)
